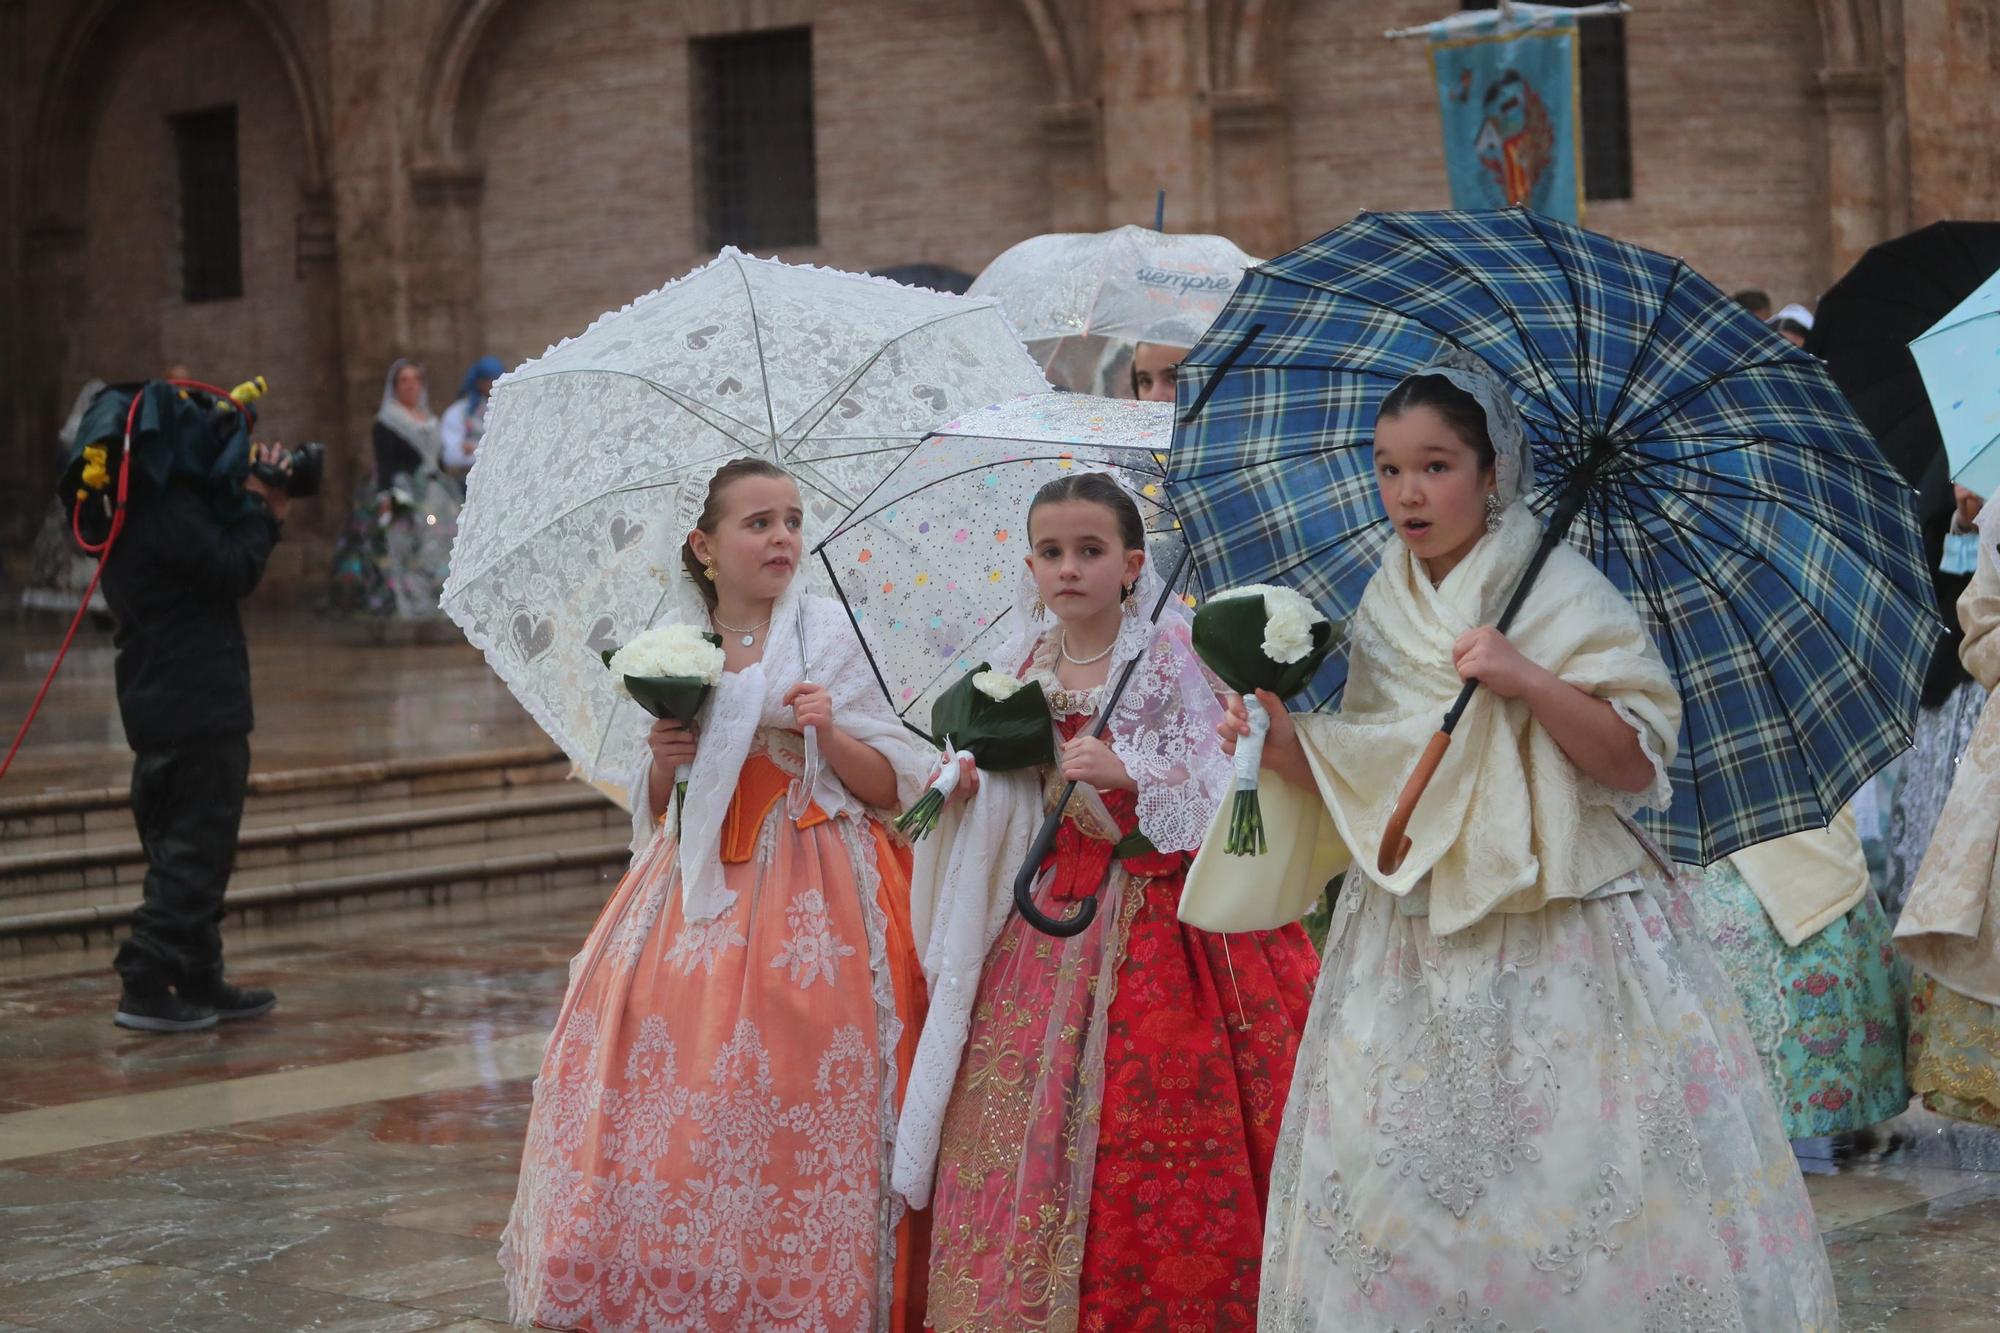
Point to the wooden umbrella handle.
(1395, 846)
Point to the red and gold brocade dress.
(1107, 1148)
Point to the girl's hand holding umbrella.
(1088, 760)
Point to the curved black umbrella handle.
(1024, 883)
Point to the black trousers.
(188, 804)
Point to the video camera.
(171, 430)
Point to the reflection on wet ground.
(348, 1163)
(324, 694)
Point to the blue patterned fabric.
(1746, 511)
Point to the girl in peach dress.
(710, 1142)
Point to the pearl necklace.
(1062, 646)
(749, 639)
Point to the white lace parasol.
(570, 538)
(1081, 300)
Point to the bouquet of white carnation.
(1254, 638)
(669, 672)
(998, 722)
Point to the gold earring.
(1131, 593)
(708, 570)
(1039, 610)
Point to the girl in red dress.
(1100, 1111)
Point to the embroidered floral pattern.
(689, 1170)
(1587, 1032)
(1571, 1255)
(811, 953)
(702, 944)
(1685, 1306)
(1827, 1017)
(1461, 1100)
(1363, 1262)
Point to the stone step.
(514, 882)
(49, 872)
(414, 848)
(276, 797)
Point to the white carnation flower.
(678, 651)
(996, 685)
(1288, 620)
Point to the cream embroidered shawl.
(1508, 823)
(1950, 926)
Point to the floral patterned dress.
(1106, 1153)
(1828, 1018)
(711, 1130)
(1550, 1120)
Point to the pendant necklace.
(749, 639)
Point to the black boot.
(229, 1002)
(152, 1007)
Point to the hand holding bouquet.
(669, 672)
(1260, 638)
(996, 721)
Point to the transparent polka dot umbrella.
(930, 563)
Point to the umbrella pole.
(1024, 882)
(1395, 840)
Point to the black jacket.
(173, 582)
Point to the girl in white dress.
(1526, 1097)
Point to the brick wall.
(562, 185)
(929, 148)
(1728, 155)
(132, 321)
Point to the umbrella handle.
(1024, 882)
(1395, 846)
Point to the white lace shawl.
(752, 699)
(962, 888)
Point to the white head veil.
(1513, 459)
(416, 426)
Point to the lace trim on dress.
(860, 845)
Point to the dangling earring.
(708, 569)
(1038, 610)
(1131, 593)
(1492, 511)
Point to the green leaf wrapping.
(676, 697)
(1229, 638)
(1002, 734)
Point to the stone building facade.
(445, 178)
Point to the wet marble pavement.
(347, 1163)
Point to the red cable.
(102, 550)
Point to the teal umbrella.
(1959, 358)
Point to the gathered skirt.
(710, 1139)
(1550, 1120)
(1828, 1018)
(1106, 1153)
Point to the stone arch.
(458, 39)
(65, 110)
(443, 132)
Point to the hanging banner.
(1508, 94)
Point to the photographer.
(183, 669)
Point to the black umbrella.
(1863, 330)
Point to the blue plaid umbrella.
(1709, 468)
